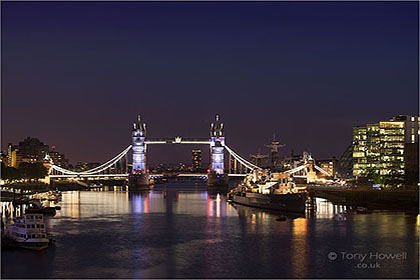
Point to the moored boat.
(43, 210)
(264, 191)
(291, 202)
(362, 210)
(29, 232)
(37, 208)
(50, 196)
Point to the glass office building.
(379, 148)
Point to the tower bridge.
(139, 176)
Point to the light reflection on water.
(187, 233)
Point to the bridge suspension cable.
(294, 170)
(95, 170)
(302, 167)
(241, 160)
(322, 170)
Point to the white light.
(96, 169)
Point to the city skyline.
(231, 140)
(308, 73)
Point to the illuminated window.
(391, 124)
(358, 154)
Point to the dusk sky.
(76, 74)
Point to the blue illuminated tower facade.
(217, 142)
(139, 177)
(139, 147)
(217, 177)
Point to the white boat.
(29, 232)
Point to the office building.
(4, 160)
(59, 159)
(359, 150)
(15, 158)
(411, 159)
(379, 148)
(329, 165)
(32, 150)
(345, 167)
(411, 127)
(196, 160)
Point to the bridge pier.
(311, 202)
(138, 182)
(217, 182)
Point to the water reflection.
(300, 248)
(140, 202)
(327, 210)
(217, 206)
(187, 233)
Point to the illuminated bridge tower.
(139, 178)
(217, 178)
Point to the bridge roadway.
(124, 176)
(177, 140)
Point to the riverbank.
(404, 200)
(18, 191)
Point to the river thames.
(180, 231)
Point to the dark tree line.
(394, 178)
(24, 171)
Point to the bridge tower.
(217, 178)
(139, 177)
(310, 168)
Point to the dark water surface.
(182, 232)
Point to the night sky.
(76, 74)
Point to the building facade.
(4, 160)
(380, 148)
(411, 127)
(391, 148)
(196, 160)
(59, 159)
(139, 147)
(217, 143)
(411, 159)
(345, 167)
(32, 150)
(329, 165)
(359, 150)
